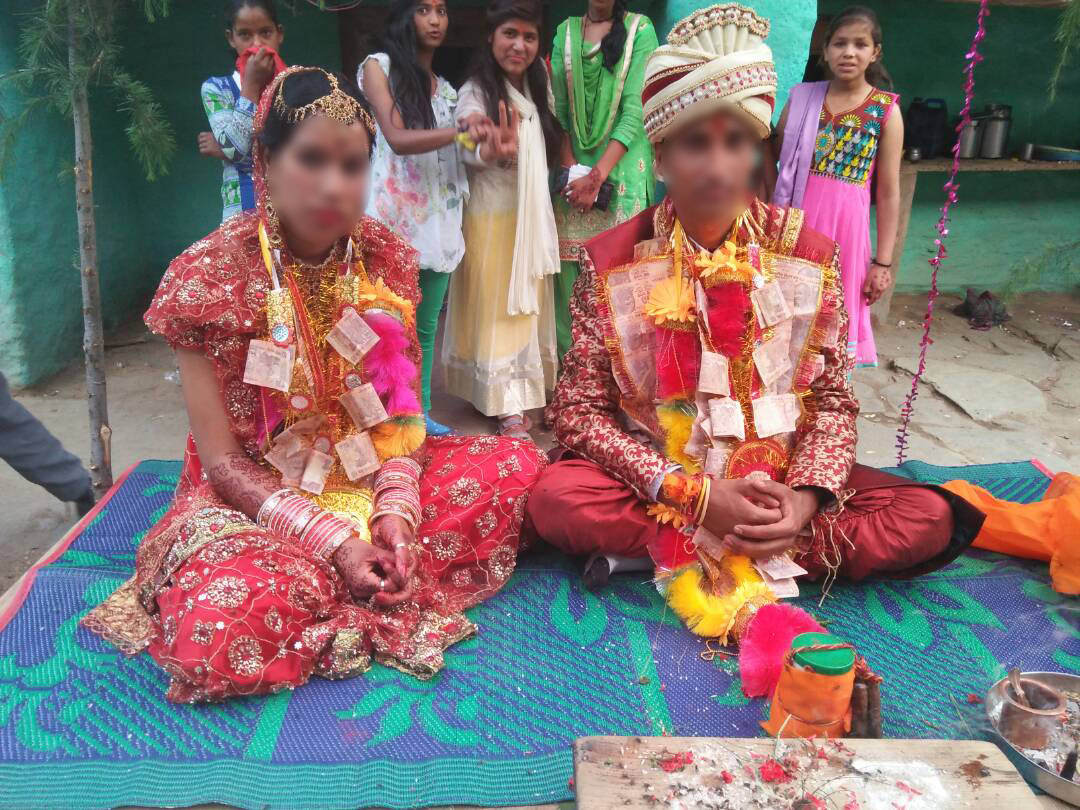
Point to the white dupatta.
(536, 241)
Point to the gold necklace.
(335, 255)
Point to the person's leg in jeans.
(433, 291)
(38, 456)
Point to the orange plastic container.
(813, 695)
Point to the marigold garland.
(722, 265)
(671, 300)
(664, 514)
(680, 489)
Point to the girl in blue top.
(230, 101)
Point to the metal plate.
(1043, 152)
(1064, 789)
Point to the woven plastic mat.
(81, 726)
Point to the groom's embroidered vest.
(803, 265)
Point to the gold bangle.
(702, 506)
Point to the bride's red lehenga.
(226, 607)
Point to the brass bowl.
(1043, 778)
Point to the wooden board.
(627, 772)
(1022, 3)
(990, 165)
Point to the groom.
(709, 340)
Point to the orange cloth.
(1045, 530)
(813, 705)
(242, 59)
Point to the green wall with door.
(1002, 220)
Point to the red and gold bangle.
(324, 534)
(398, 466)
(286, 514)
(400, 497)
(294, 518)
(405, 515)
(269, 505)
(397, 490)
(402, 502)
(290, 516)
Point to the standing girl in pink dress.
(834, 137)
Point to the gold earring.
(273, 225)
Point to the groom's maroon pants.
(892, 527)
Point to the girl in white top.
(418, 179)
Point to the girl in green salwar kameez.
(598, 65)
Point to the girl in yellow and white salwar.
(499, 349)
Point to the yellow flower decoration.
(666, 514)
(670, 300)
(723, 264)
(378, 295)
(716, 614)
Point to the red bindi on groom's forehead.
(720, 125)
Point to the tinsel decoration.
(972, 57)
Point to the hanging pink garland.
(973, 57)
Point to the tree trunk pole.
(93, 331)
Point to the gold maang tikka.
(337, 104)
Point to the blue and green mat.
(81, 726)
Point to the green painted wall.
(42, 325)
(7, 254)
(141, 225)
(1002, 219)
(187, 204)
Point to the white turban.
(713, 59)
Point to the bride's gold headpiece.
(336, 104)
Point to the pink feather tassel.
(391, 371)
(766, 642)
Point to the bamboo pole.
(93, 331)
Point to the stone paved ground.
(1007, 394)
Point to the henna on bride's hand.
(242, 483)
(365, 568)
(346, 556)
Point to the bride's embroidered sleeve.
(207, 294)
(210, 300)
(586, 401)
